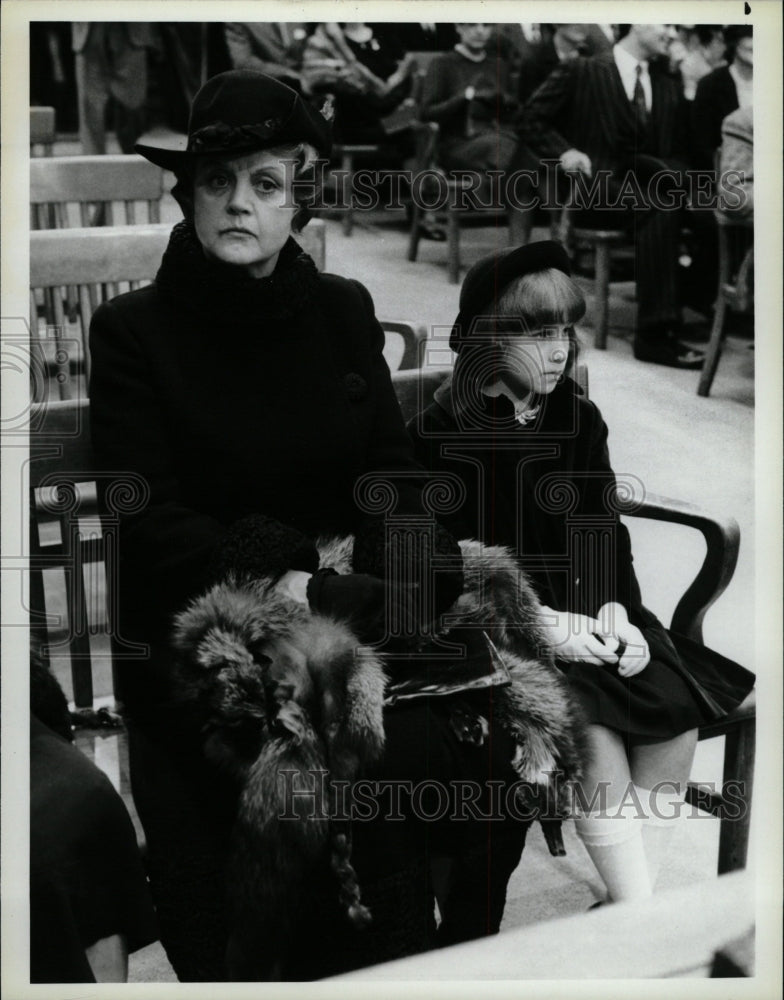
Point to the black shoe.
(696, 333)
(671, 353)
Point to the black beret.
(487, 279)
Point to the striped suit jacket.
(582, 105)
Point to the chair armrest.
(722, 538)
(744, 713)
(412, 336)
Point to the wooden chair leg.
(453, 244)
(601, 293)
(739, 769)
(414, 232)
(347, 164)
(713, 352)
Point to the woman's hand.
(578, 638)
(294, 585)
(634, 653)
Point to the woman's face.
(242, 209)
(535, 362)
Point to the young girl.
(531, 452)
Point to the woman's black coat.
(249, 408)
(230, 399)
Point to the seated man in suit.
(617, 120)
(533, 61)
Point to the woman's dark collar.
(194, 282)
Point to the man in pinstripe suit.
(618, 118)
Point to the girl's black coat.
(542, 490)
(234, 398)
(548, 492)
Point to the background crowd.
(138, 74)
(635, 101)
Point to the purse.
(432, 672)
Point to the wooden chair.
(73, 552)
(736, 262)
(348, 153)
(42, 133)
(74, 184)
(100, 263)
(456, 204)
(602, 240)
(566, 230)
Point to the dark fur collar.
(190, 280)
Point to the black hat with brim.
(242, 111)
(488, 278)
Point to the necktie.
(638, 98)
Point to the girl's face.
(242, 209)
(535, 363)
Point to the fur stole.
(292, 703)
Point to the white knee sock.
(614, 844)
(662, 808)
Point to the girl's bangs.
(543, 298)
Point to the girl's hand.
(578, 639)
(635, 654)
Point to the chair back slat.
(96, 255)
(78, 179)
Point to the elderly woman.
(249, 394)
(531, 452)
